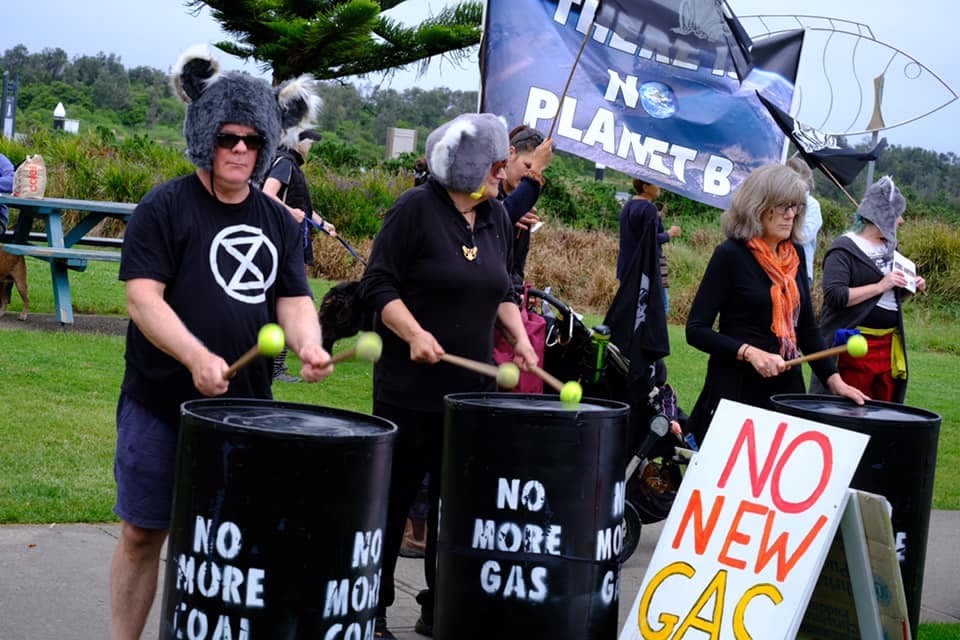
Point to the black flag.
(637, 319)
(839, 161)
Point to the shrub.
(354, 203)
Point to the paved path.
(53, 580)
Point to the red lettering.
(748, 435)
(779, 546)
(734, 536)
(826, 469)
(758, 479)
(701, 533)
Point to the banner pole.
(837, 182)
(566, 87)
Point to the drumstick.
(473, 365)
(242, 361)
(507, 374)
(856, 346)
(369, 347)
(817, 355)
(546, 377)
(270, 343)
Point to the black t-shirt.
(294, 192)
(224, 266)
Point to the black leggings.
(417, 452)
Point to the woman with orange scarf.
(756, 282)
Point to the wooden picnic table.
(60, 250)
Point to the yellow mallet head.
(369, 346)
(857, 346)
(571, 393)
(270, 340)
(508, 375)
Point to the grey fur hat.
(461, 152)
(300, 105)
(214, 99)
(882, 205)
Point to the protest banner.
(654, 95)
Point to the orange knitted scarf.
(781, 267)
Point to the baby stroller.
(654, 471)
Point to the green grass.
(60, 390)
(938, 631)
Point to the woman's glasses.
(230, 140)
(784, 207)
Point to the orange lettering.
(701, 533)
(778, 548)
(734, 536)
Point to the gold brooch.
(470, 253)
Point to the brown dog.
(13, 270)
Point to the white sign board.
(400, 141)
(754, 517)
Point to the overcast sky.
(154, 32)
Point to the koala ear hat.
(882, 205)
(214, 99)
(461, 152)
(300, 106)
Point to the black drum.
(531, 518)
(278, 518)
(898, 463)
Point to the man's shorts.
(144, 466)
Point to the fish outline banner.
(658, 99)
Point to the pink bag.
(536, 328)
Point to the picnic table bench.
(60, 248)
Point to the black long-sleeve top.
(736, 289)
(517, 203)
(635, 214)
(418, 257)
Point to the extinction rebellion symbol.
(239, 248)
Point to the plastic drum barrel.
(531, 518)
(277, 524)
(898, 463)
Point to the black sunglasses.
(230, 140)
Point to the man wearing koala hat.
(439, 278)
(207, 261)
(863, 289)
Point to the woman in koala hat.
(439, 279)
(863, 290)
(207, 261)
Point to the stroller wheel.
(631, 531)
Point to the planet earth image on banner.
(658, 100)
